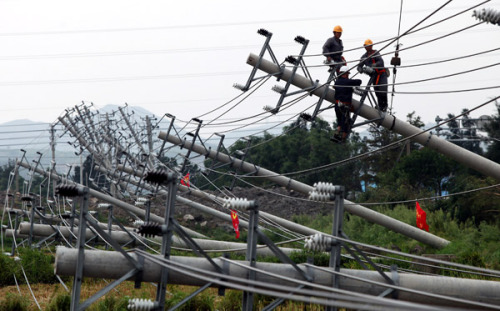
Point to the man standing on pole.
(333, 49)
(372, 63)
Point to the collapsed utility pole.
(111, 265)
(107, 198)
(289, 183)
(426, 139)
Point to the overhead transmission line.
(241, 179)
(369, 153)
(410, 31)
(155, 28)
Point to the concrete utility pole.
(111, 200)
(123, 237)
(112, 265)
(353, 208)
(290, 225)
(426, 139)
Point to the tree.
(493, 130)
(464, 133)
(91, 177)
(302, 149)
(379, 163)
(5, 171)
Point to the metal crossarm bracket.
(282, 256)
(265, 47)
(318, 109)
(251, 254)
(243, 154)
(395, 281)
(195, 135)
(220, 146)
(296, 62)
(364, 95)
(194, 246)
(83, 193)
(374, 265)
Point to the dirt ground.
(276, 201)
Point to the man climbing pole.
(343, 100)
(372, 64)
(333, 49)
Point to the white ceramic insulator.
(317, 196)
(237, 203)
(138, 223)
(140, 304)
(324, 187)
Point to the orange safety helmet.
(337, 29)
(368, 42)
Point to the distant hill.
(34, 137)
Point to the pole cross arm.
(464, 156)
(351, 207)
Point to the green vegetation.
(14, 302)
(61, 302)
(37, 266)
(470, 219)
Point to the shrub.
(232, 301)
(13, 302)
(110, 303)
(38, 266)
(61, 302)
(7, 271)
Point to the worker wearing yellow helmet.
(372, 64)
(333, 48)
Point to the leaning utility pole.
(112, 265)
(351, 207)
(426, 139)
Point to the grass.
(478, 246)
(55, 298)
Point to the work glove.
(368, 70)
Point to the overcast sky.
(182, 57)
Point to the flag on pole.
(185, 180)
(422, 219)
(236, 223)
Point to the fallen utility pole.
(426, 139)
(351, 207)
(110, 199)
(112, 265)
(290, 225)
(124, 237)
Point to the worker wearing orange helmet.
(333, 49)
(372, 64)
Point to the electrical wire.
(392, 145)
(367, 302)
(410, 31)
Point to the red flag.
(422, 219)
(185, 180)
(236, 223)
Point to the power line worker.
(372, 63)
(333, 49)
(343, 103)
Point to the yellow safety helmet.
(368, 42)
(337, 29)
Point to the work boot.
(336, 138)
